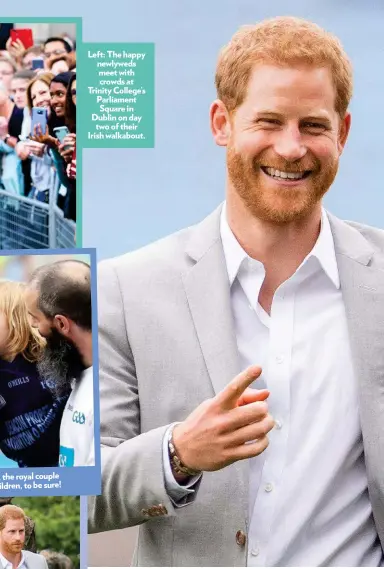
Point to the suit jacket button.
(241, 538)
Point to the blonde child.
(30, 413)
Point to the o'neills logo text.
(18, 381)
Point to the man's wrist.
(179, 469)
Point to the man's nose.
(289, 144)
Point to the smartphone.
(39, 116)
(60, 133)
(24, 35)
(37, 63)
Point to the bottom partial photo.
(40, 533)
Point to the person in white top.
(58, 298)
(12, 538)
(285, 470)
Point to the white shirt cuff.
(178, 493)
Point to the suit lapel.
(207, 288)
(363, 293)
(208, 292)
(362, 284)
(362, 281)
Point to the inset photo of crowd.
(37, 135)
(40, 533)
(46, 360)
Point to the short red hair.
(287, 42)
(10, 512)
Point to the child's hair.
(22, 338)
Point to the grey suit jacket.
(34, 561)
(167, 343)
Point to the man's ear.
(62, 324)
(345, 127)
(220, 122)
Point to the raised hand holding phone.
(39, 117)
(67, 146)
(61, 132)
(16, 50)
(23, 37)
(44, 138)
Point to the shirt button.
(268, 487)
(280, 359)
(255, 551)
(278, 424)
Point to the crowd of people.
(37, 135)
(46, 392)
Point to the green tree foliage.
(57, 523)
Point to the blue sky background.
(132, 197)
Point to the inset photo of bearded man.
(46, 360)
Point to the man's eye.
(269, 121)
(314, 126)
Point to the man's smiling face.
(285, 142)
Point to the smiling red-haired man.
(241, 360)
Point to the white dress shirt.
(8, 565)
(308, 495)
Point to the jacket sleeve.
(131, 461)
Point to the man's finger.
(246, 414)
(251, 449)
(228, 397)
(251, 431)
(251, 395)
